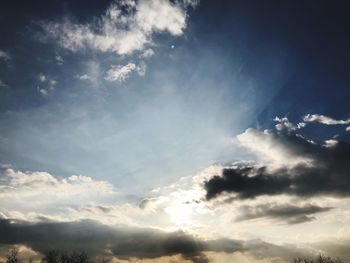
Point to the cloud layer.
(290, 214)
(101, 240)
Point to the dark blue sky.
(299, 49)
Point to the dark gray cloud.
(124, 242)
(128, 242)
(329, 174)
(291, 214)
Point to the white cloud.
(5, 56)
(141, 69)
(267, 148)
(47, 84)
(42, 91)
(59, 60)
(126, 27)
(160, 15)
(42, 77)
(147, 53)
(324, 119)
(330, 143)
(122, 72)
(2, 84)
(347, 128)
(85, 77)
(92, 73)
(42, 188)
(283, 124)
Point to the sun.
(180, 213)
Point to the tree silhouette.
(54, 256)
(318, 259)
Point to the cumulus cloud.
(283, 124)
(122, 72)
(126, 26)
(324, 119)
(304, 168)
(39, 188)
(291, 214)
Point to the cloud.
(147, 53)
(293, 165)
(46, 84)
(120, 241)
(130, 243)
(246, 182)
(5, 56)
(279, 149)
(291, 214)
(122, 72)
(85, 77)
(324, 119)
(283, 124)
(59, 60)
(92, 73)
(39, 188)
(2, 84)
(42, 77)
(126, 26)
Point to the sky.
(175, 130)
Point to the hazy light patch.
(268, 149)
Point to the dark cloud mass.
(291, 214)
(329, 174)
(124, 242)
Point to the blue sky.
(132, 105)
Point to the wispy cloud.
(324, 119)
(122, 72)
(2, 84)
(291, 214)
(85, 77)
(59, 60)
(126, 27)
(5, 56)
